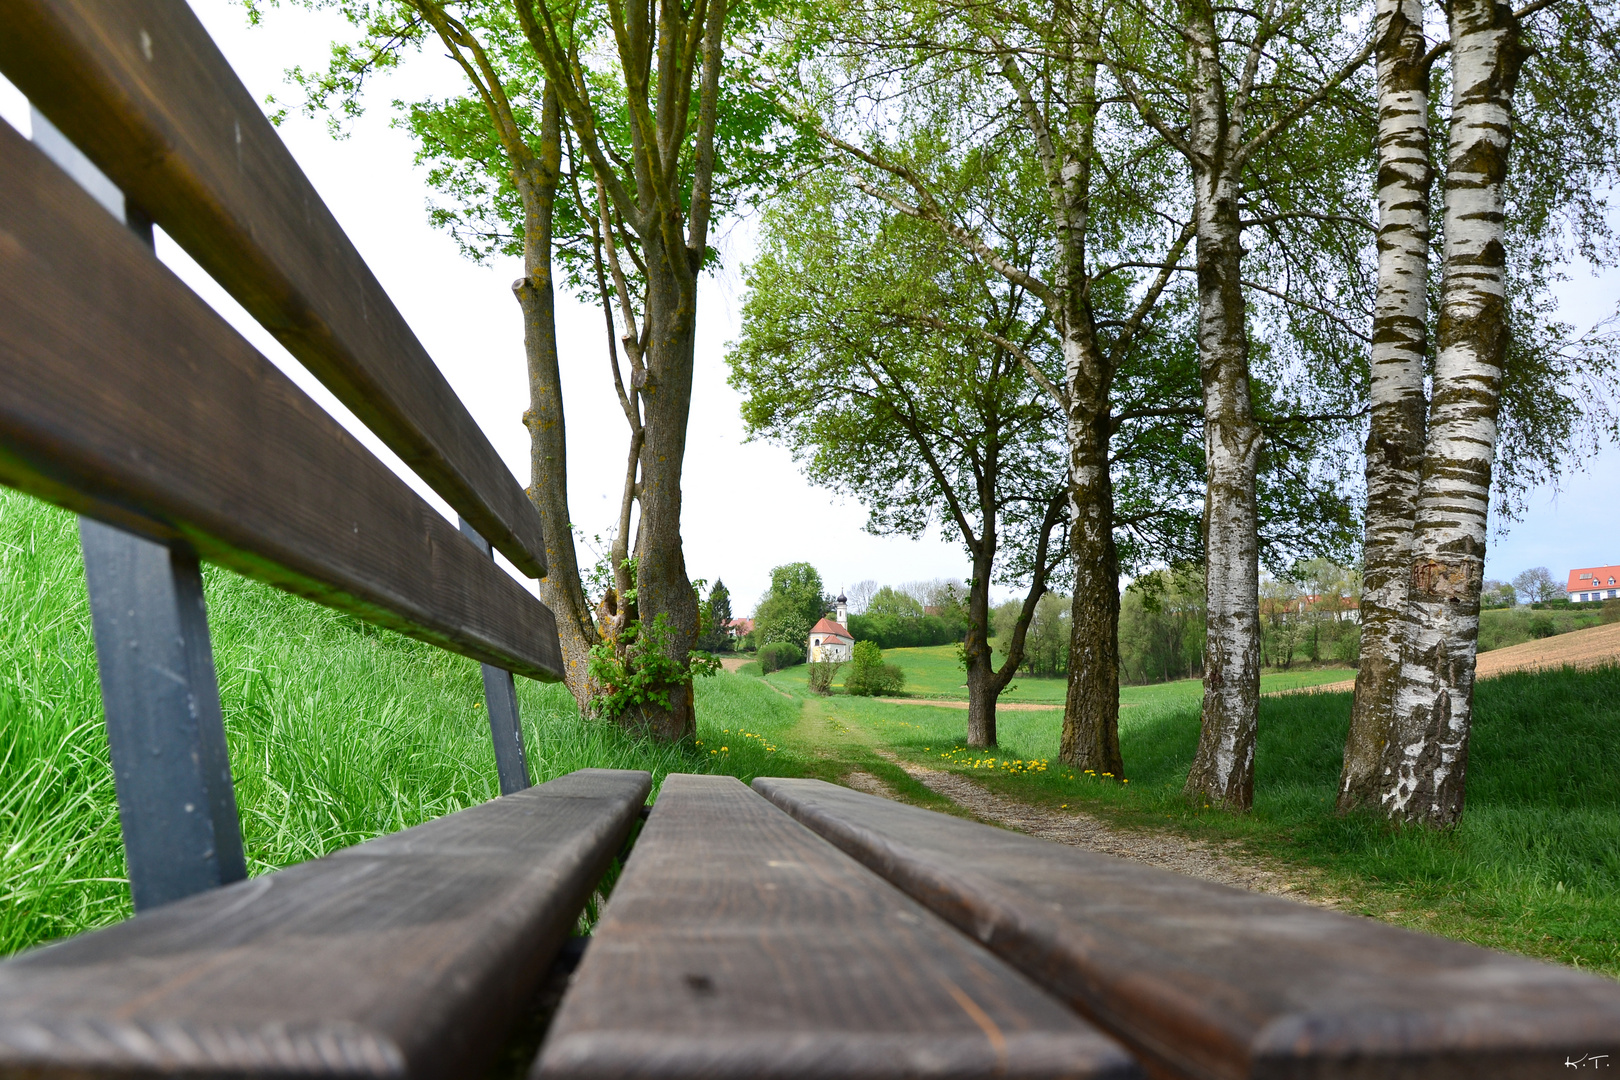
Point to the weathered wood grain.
(124, 397)
(738, 944)
(140, 87)
(407, 956)
(1209, 981)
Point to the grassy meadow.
(933, 672)
(338, 732)
(1533, 868)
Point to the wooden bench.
(737, 943)
(808, 932)
(1204, 980)
(409, 955)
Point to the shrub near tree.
(778, 655)
(869, 676)
(822, 673)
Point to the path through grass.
(1534, 867)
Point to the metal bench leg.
(175, 800)
(500, 701)
(176, 804)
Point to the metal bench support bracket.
(500, 700)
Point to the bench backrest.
(125, 398)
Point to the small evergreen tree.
(716, 616)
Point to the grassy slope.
(337, 732)
(1534, 867)
(1501, 627)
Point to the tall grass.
(338, 732)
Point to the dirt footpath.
(1592, 647)
(1079, 829)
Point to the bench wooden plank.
(124, 397)
(738, 944)
(140, 87)
(1209, 981)
(407, 956)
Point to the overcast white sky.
(747, 508)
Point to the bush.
(1610, 612)
(870, 676)
(821, 675)
(1542, 628)
(778, 655)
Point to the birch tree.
(1395, 389)
(1499, 364)
(1246, 77)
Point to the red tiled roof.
(1588, 578)
(827, 626)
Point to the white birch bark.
(1426, 761)
(1222, 773)
(1394, 451)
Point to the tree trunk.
(1222, 773)
(1090, 738)
(662, 588)
(983, 684)
(1399, 341)
(560, 589)
(1425, 763)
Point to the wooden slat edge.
(738, 944)
(325, 968)
(123, 396)
(1158, 1013)
(140, 87)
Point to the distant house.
(736, 628)
(829, 640)
(1594, 583)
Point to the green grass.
(933, 672)
(1534, 867)
(338, 732)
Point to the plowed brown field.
(1579, 648)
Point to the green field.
(934, 672)
(338, 732)
(1534, 867)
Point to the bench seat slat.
(124, 397)
(142, 89)
(405, 956)
(1210, 981)
(738, 944)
